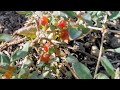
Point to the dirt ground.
(11, 21)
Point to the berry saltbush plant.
(40, 55)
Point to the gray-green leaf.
(71, 14)
(115, 15)
(21, 53)
(23, 74)
(71, 59)
(108, 66)
(33, 75)
(27, 13)
(5, 37)
(82, 71)
(74, 33)
(117, 50)
(101, 76)
(4, 59)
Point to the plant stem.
(99, 29)
(72, 71)
(99, 57)
(74, 74)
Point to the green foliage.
(80, 69)
(115, 15)
(5, 37)
(101, 76)
(74, 33)
(27, 13)
(21, 53)
(4, 59)
(108, 66)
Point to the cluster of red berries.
(64, 35)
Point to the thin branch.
(72, 71)
(99, 29)
(14, 42)
(99, 57)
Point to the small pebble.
(115, 42)
(95, 51)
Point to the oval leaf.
(74, 33)
(117, 50)
(115, 15)
(108, 66)
(71, 59)
(82, 71)
(33, 75)
(101, 76)
(23, 74)
(87, 17)
(4, 59)
(51, 50)
(29, 31)
(21, 53)
(5, 37)
(71, 14)
(27, 13)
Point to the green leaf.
(33, 75)
(99, 13)
(51, 50)
(101, 76)
(52, 27)
(23, 74)
(82, 28)
(29, 31)
(82, 71)
(94, 13)
(40, 65)
(26, 63)
(45, 74)
(85, 30)
(57, 59)
(27, 13)
(74, 33)
(59, 13)
(68, 73)
(71, 59)
(4, 59)
(5, 37)
(108, 66)
(87, 17)
(29, 62)
(21, 53)
(115, 15)
(71, 14)
(117, 50)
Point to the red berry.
(44, 20)
(65, 35)
(61, 23)
(45, 57)
(46, 46)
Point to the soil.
(11, 21)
